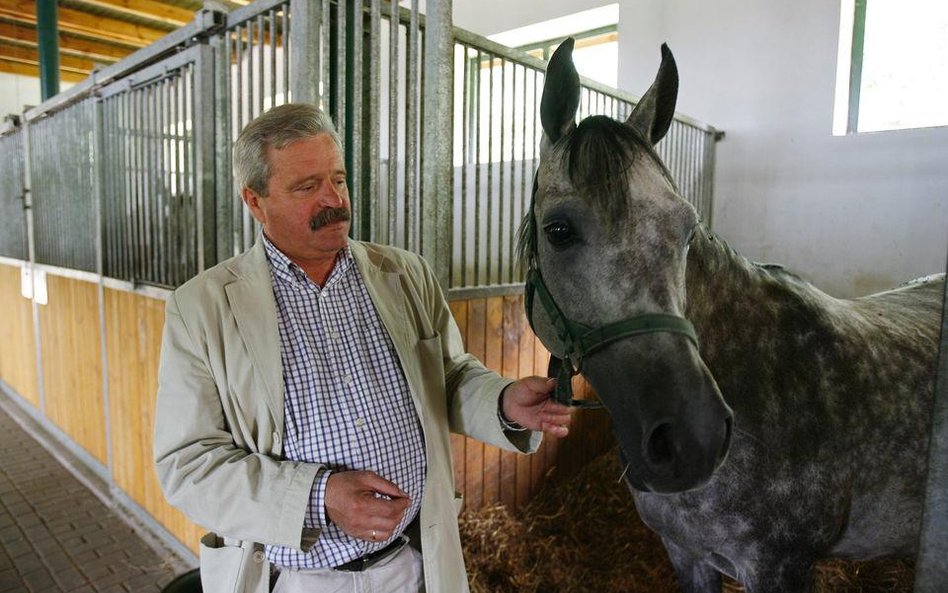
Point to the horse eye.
(559, 234)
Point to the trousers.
(401, 573)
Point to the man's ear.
(252, 199)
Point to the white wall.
(18, 91)
(852, 214)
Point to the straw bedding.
(584, 535)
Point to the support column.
(48, 39)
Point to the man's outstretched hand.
(527, 402)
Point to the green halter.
(578, 340)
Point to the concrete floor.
(58, 536)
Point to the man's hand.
(527, 402)
(364, 504)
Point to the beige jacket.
(219, 418)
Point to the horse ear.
(560, 94)
(654, 112)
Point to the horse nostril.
(660, 447)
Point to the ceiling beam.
(13, 67)
(73, 21)
(26, 55)
(149, 9)
(82, 48)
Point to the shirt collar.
(285, 270)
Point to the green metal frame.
(855, 66)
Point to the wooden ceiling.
(92, 33)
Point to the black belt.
(370, 560)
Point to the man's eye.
(559, 234)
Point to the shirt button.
(259, 557)
(347, 379)
(334, 335)
(360, 422)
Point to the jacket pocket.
(227, 568)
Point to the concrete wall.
(853, 214)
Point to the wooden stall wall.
(18, 367)
(71, 344)
(495, 330)
(133, 326)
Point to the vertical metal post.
(931, 568)
(437, 140)
(48, 41)
(228, 243)
(304, 50)
(204, 158)
(855, 66)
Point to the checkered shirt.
(347, 402)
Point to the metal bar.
(502, 167)
(325, 68)
(393, 101)
(285, 56)
(373, 117)
(477, 166)
(223, 183)
(272, 46)
(411, 129)
(490, 173)
(354, 100)
(261, 60)
(202, 118)
(437, 140)
(339, 80)
(465, 130)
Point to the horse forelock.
(597, 155)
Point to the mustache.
(329, 216)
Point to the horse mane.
(598, 154)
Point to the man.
(307, 388)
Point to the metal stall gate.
(13, 239)
(496, 147)
(446, 173)
(156, 171)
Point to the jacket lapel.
(388, 296)
(253, 305)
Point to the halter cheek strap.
(579, 340)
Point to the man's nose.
(332, 194)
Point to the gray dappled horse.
(821, 447)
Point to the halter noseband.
(579, 340)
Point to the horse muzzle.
(673, 427)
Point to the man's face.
(306, 211)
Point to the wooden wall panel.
(133, 326)
(495, 330)
(72, 362)
(17, 341)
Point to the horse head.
(606, 243)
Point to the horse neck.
(719, 280)
(733, 302)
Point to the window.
(596, 53)
(892, 67)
